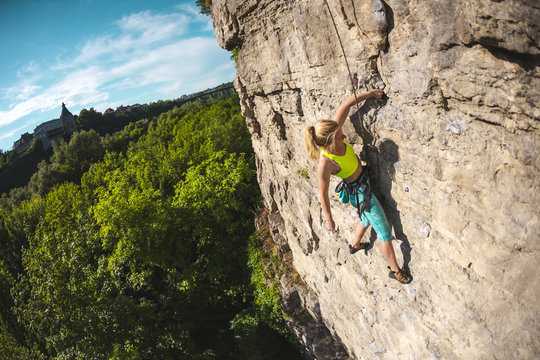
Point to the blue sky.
(100, 54)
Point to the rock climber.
(325, 143)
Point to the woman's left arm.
(343, 111)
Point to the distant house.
(23, 143)
(108, 111)
(53, 130)
(123, 109)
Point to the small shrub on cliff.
(205, 5)
(234, 53)
(303, 172)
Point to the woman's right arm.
(343, 111)
(324, 173)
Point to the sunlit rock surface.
(454, 160)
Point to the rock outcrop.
(454, 159)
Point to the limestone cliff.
(454, 159)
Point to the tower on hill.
(48, 132)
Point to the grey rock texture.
(454, 160)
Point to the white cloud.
(27, 91)
(11, 133)
(150, 49)
(21, 91)
(196, 16)
(32, 66)
(78, 87)
(170, 65)
(154, 27)
(24, 108)
(139, 33)
(28, 83)
(16, 131)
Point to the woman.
(325, 144)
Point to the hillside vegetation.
(17, 169)
(136, 245)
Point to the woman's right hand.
(330, 225)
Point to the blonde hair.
(320, 134)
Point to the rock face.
(454, 160)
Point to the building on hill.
(123, 109)
(23, 143)
(53, 130)
(68, 120)
(108, 111)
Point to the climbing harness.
(348, 192)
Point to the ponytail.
(311, 143)
(321, 134)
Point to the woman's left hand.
(377, 94)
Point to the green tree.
(69, 161)
(88, 119)
(74, 158)
(19, 168)
(139, 251)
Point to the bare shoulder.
(327, 167)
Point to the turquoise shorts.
(374, 217)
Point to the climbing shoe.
(400, 276)
(352, 250)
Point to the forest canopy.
(136, 245)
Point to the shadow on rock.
(381, 162)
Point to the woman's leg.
(386, 246)
(388, 252)
(358, 234)
(377, 219)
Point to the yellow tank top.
(348, 162)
